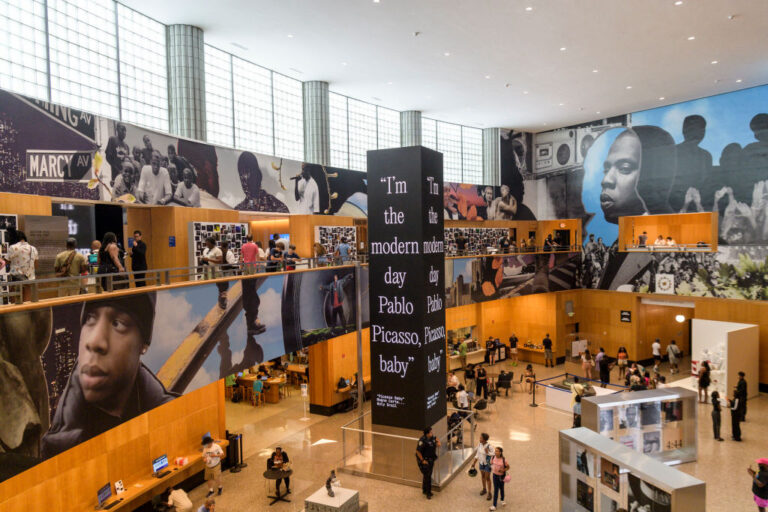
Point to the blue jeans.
(498, 487)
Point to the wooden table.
(143, 489)
(296, 371)
(276, 474)
(272, 389)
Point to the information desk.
(530, 355)
(474, 357)
(558, 394)
(142, 490)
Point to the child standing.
(716, 418)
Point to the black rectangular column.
(406, 279)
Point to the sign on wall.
(406, 286)
(626, 316)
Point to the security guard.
(426, 453)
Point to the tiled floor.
(529, 437)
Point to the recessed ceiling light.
(738, 80)
(713, 62)
(563, 48)
(525, 92)
(290, 36)
(376, 1)
(691, 38)
(487, 77)
(561, 104)
(661, 98)
(595, 70)
(447, 54)
(629, 87)
(679, 2)
(545, 124)
(597, 112)
(529, 9)
(389, 83)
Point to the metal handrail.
(514, 251)
(12, 291)
(669, 248)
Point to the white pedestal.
(345, 500)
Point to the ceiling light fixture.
(563, 48)
(487, 77)
(389, 83)
(529, 8)
(713, 62)
(525, 92)
(290, 36)
(376, 1)
(447, 54)
(629, 87)
(343, 63)
(594, 70)
(561, 104)
(691, 38)
(597, 112)
(661, 98)
(738, 80)
(679, 2)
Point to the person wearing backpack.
(499, 468)
(69, 263)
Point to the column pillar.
(186, 81)
(317, 123)
(491, 157)
(410, 128)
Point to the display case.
(660, 423)
(598, 474)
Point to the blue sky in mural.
(188, 306)
(728, 116)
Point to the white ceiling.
(642, 44)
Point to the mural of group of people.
(71, 372)
(48, 149)
(709, 154)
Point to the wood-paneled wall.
(684, 228)
(262, 230)
(69, 481)
(302, 230)
(25, 204)
(332, 359)
(137, 217)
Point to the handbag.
(507, 478)
(65, 268)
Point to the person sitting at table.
(277, 460)
(660, 241)
(671, 242)
(263, 372)
(177, 499)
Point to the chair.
(257, 396)
(505, 381)
(481, 405)
(519, 383)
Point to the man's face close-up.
(188, 178)
(171, 151)
(109, 354)
(155, 165)
(250, 181)
(621, 173)
(488, 194)
(120, 132)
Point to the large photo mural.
(709, 154)
(71, 372)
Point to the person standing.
(154, 183)
(704, 380)
(291, 257)
(139, 260)
(483, 454)
(110, 261)
(70, 263)
(673, 352)
(250, 255)
(577, 411)
(212, 454)
(469, 378)
(760, 483)
(656, 348)
(622, 359)
(23, 259)
(741, 394)
(277, 460)
(499, 468)
(426, 454)
(342, 251)
(547, 342)
(305, 191)
(463, 349)
(490, 351)
(513, 349)
(642, 240)
(734, 406)
(481, 377)
(716, 418)
(603, 368)
(587, 363)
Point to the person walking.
(673, 353)
(513, 349)
(469, 378)
(622, 359)
(760, 483)
(547, 343)
(741, 393)
(139, 260)
(481, 377)
(250, 255)
(70, 263)
(656, 349)
(704, 381)
(212, 454)
(499, 468)
(23, 259)
(735, 408)
(483, 454)
(426, 454)
(716, 418)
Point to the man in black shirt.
(504, 245)
(513, 348)
(426, 453)
(741, 394)
(139, 259)
(547, 342)
(642, 240)
(461, 244)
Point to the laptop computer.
(159, 464)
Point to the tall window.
(219, 117)
(289, 117)
(362, 133)
(143, 69)
(83, 55)
(253, 107)
(461, 146)
(388, 128)
(337, 107)
(23, 53)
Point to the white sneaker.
(492, 508)
(503, 503)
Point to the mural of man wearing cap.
(109, 384)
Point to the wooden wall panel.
(25, 204)
(263, 229)
(659, 322)
(138, 217)
(684, 228)
(330, 360)
(70, 480)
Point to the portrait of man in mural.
(108, 384)
(306, 192)
(256, 198)
(117, 150)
